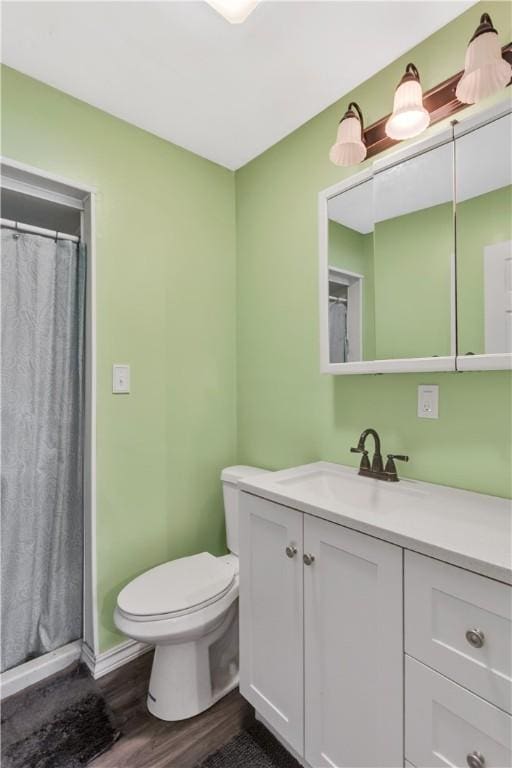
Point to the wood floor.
(147, 742)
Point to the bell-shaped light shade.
(409, 116)
(349, 148)
(485, 70)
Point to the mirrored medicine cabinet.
(415, 256)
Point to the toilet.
(188, 609)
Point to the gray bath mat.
(253, 748)
(61, 723)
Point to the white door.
(271, 615)
(353, 648)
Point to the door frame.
(44, 184)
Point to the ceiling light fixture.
(349, 147)
(409, 117)
(485, 69)
(234, 11)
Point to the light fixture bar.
(440, 101)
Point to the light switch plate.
(428, 401)
(120, 379)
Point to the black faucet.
(377, 469)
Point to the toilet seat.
(178, 588)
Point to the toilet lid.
(178, 586)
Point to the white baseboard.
(33, 671)
(115, 657)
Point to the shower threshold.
(17, 678)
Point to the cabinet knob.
(475, 637)
(291, 550)
(475, 760)
(308, 559)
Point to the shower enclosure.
(43, 294)
(47, 440)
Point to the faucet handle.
(365, 462)
(390, 468)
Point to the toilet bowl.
(188, 609)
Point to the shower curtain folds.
(338, 342)
(42, 364)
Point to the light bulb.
(409, 117)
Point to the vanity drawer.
(460, 624)
(446, 725)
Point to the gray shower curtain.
(43, 300)
(338, 343)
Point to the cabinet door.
(271, 615)
(447, 726)
(353, 648)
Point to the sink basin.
(340, 484)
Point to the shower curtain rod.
(338, 299)
(18, 226)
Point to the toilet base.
(187, 678)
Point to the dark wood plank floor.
(147, 742)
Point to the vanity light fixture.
(409, 117)
(234, 11)
(349, 147)
(485, 69)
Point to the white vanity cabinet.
(321, 655)
(359, 651)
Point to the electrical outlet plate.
(428, 401)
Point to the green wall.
(165, 304)
(288, 413)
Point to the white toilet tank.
(230, 477)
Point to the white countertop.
(471, 530)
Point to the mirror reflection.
(391, 257)
(484, 239)
(351, 293)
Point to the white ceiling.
(226, 92)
